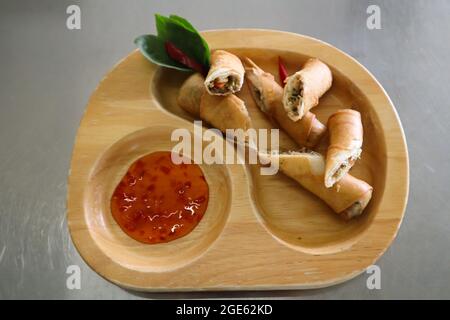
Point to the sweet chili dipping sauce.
(159, 201)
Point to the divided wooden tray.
(259, 232)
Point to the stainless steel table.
(48, 72)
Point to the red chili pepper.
(179, 56)
(282, 71)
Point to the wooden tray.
(259, 232)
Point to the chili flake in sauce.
(159, 201)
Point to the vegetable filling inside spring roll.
(267, 94)
(226, 74)
(348, 198)
(304, 88)
(294, 102)
(346, 138)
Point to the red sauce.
(159, 201)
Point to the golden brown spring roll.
(346, 138)
(304, 88)
(224, 112)
(226, 74)
(267, 94)
(191, 93)
(228, 112)
(348, 198)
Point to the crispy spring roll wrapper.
(304, 88)
(346, 138)
(226, 74)
(228, 112)
(191, 93)
(348, 198)
(267, 94)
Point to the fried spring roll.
(348, 198)
(191, 93)
(346, 138)
(267, 94)
(226, 74)
(304, 88)
(223, 113)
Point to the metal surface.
(48, 73)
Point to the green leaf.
(184, 36)
(153, 48)
(161, 26)
(183, 22)
(190, 42)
